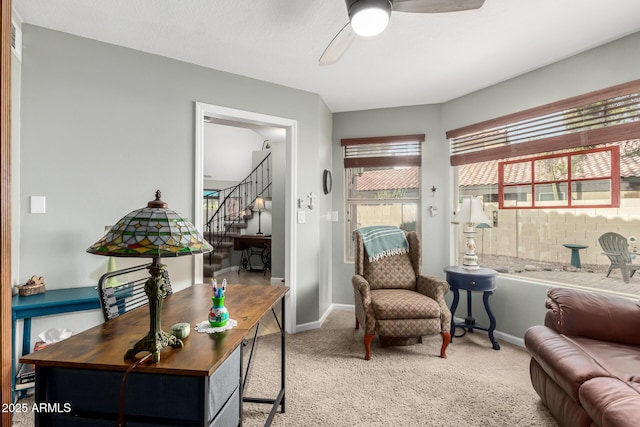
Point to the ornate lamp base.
(156, 339)
(154, 343)
(470, 259)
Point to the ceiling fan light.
(369, 17)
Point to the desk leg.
(492, 319)
(454, 306)
(279, 400)
(282, 353)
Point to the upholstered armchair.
(395, 301)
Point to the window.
(210, 204)
(382, 183)
(560, 174)
(578, 179)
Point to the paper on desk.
(54, 335)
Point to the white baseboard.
(498, 335)
(509, 338)
(316, 325)
(343, 307)
(277, 281)
(313, 325)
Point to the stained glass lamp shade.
(152, 232)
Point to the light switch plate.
(301, 217)
(38, 205)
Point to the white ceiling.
(419, 59)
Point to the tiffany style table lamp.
(152, 232)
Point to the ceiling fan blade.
(338, 46)
(435, 6)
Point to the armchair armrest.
(361, 286)
(436, 289)
(597, 316)
(362, 297)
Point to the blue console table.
(479, 280)
(56, 301)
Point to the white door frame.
(291, 127)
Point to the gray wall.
(103, 127)
(394, 121)
(93, 113)
(517, 304)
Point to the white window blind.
(608, 115)
(404, 150)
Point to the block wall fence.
(538, 234)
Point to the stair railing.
(234, 203)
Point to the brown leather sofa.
(585, 360)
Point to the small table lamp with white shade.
(470, 213)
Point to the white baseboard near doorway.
(318, 324)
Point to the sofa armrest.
(436, 289)
(598, 316)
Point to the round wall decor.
(327, 181)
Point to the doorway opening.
(287, 188)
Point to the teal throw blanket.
(382, 241)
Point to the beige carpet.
(329, 383)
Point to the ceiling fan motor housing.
(354, 6)
(369, 17)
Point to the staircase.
(232, 214)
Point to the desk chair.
(117, 298)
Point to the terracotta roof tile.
(595, 165)
(389, 179)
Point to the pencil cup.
(218, 315)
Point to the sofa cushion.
(619, 360)
(611, 402)
(564, 362)
(593, 315)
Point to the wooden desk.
(55, 301)
(253, 245)
(184, 388)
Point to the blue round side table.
(479, 280)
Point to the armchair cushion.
(390, 272)
(403, 304)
